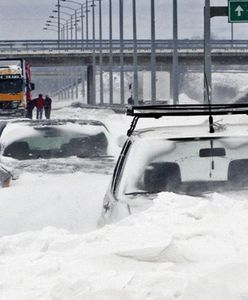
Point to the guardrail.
(35, 45)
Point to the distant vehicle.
(29, 140)
(190, 159)
(15, 86)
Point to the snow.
(181, 247)
(72, 201)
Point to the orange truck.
(15, 86)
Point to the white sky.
(24, 19)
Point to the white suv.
(211, 156)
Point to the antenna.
(211, 121)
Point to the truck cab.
(15, 86)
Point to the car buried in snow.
(57, 145)
(209, 155)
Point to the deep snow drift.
(183, 247)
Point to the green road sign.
(238, 11)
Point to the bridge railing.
(49, 45)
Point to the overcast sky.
(25, 19)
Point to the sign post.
(238, 11)
(210, 12)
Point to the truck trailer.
(15, 86)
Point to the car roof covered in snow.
(16, 129)
(50, 122)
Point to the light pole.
(65, 27)
(153, 53)
(87, 24)
(71, 25)
(52, 17)
(135, 57)
(49, 25)
(110, 54)
(121, 53)
(82, 16)
(175, 53)
(63, 32)
(58, 4)
(45, 28)
(93, 54)
(71, 28)
(101, 53)
(75, 16)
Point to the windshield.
(11, 86)
(57, 141)
(185, 166)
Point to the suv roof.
(199, 112)
(224, 126)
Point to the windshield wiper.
(139, 193)
(94, 156)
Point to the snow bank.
(181, 248)
(37, 200)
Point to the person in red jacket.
(39, 104)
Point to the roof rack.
(158, 111)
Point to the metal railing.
(36, 45)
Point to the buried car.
(50, 140)
(186, 159)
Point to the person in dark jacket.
(29, 109)
(39, 104)
(48, 106)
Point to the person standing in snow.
(47, 106)
(39, 104)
